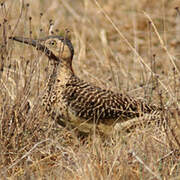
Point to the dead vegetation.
(119, 45)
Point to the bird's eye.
(52, 43)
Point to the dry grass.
(119, 45)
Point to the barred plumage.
(75, 102)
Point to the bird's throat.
(60, 74)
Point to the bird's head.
(57, 48)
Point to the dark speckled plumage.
(92, 102)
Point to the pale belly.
(87, 126)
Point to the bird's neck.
(61, 73)
(64, 69)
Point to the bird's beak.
(29, 41)
(37, 44)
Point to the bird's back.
(99, 105)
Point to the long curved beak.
(29, 41)
(37, 44)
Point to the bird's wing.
(93, 103)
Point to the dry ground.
(127, 46)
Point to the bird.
(76, 103)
